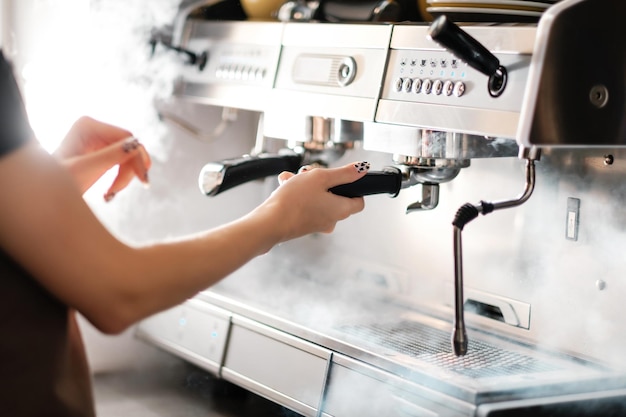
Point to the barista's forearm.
(168, 273)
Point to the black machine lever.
(217, 177)
(193, 58)
(468, 49)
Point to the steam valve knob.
(465, 47)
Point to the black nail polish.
(362, 166)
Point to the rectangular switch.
(572, 218)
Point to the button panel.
(241, 63)
(430, 76)
(435, 75)
(240, 72)
(427, 86)
(235, 64)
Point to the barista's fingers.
(347, 173)
(124, 176)
(140, 165)
(284, 176)
(305, 168)
(145, 156)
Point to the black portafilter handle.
(387, 181)
(217, 177)
(465, 47)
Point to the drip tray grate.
(432, 346)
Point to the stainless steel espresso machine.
(393, 314)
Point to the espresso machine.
(393, 315)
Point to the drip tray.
(415, 347)
(432, 346)
(418, 347)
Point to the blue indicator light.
(442, 73)
(213, 334)
(182, 321)
(452, 74)
(462, 75)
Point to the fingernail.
(146, 180)
(109, 196)
(362, 166)
(304, 168)
(130, 144)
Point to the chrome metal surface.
(428, 201)
(322, 133)
(330, 70)
(414, 347)
(433, 347)
(286, 369)
(211, 177)
(229, 116)
(241, 66)
(403, 95)
(584, 107)
(510, 311)
(183, 329)
(460, 342)
(464, 216)
(422, 144)
(414, 57)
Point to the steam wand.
(466, 214)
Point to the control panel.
(235, 64)
(437, 77)
(428, 87)
(240, 64)
(416, 76)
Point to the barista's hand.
(91, 148)
(302, 203)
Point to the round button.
(231, 72)
(407, 84)
(459, 88)
(399, 83)
(427, 86)
(437, 86)
(448, 87)
(417, 85)
(346, 71)
(245, 72)
(252, 74)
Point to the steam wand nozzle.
(464, 215)
(459, 339)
